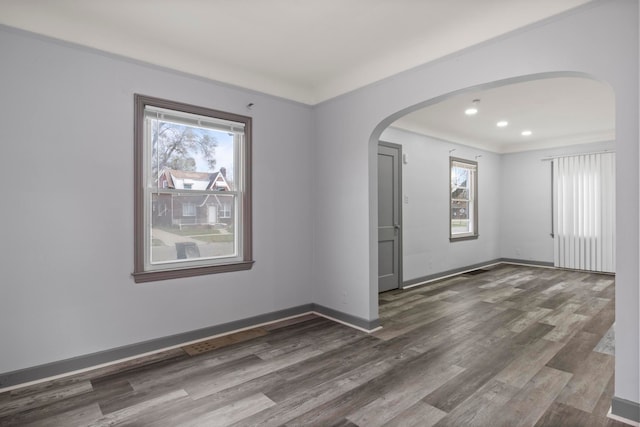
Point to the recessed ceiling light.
(502, 123)
(526, 133)
(473, 109)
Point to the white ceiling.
(558, 111)
(305, 50)
(312, 50)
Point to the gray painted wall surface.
(66, 120)
(514, 204)
(67, 249)
(425, 179)
(525, 186)
(599, 39)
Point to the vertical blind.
(584, 212)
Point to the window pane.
(460, 194)
(186, 157)
(463, 203)
(190, 227)
(188, 209)
(459, 177)
(460, 217)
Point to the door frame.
(398, 148)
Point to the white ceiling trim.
(515, 147)
(603, 136)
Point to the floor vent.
(219, 342)
(478, 271)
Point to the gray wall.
(525, 227)
(514, 204)
(67, 244)
(425, 214)
(599, 40)
(66, 124)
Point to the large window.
(463, 213)
(192, 190)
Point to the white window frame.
(472, 200)
(144, 269)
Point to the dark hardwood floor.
(505, 346)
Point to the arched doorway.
(564, 114)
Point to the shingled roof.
(170, 175)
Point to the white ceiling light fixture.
(526, 133)
(473, 109)
(502, 124)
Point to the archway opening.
(566, 114)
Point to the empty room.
(320, 213)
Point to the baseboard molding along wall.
(456, 271)
(62, 368)
(75, 365)
(625, 411)
(347, 319)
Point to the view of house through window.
(463, 199)
(194, 196)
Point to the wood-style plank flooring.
(504, 346)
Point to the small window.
(184, 156)
(463, 212)
(188, 209)
(224, 210)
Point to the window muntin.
(463, 201)
(192, 165)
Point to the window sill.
(152, 276)
(461, 238)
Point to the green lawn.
(212, 238)
(190, 231)
(204, 234)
